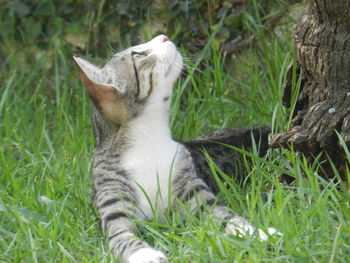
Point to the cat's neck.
(104, 130)
(152, 125)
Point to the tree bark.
(322, 42)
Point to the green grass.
(46, 141)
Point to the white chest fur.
(150, 161)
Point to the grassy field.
(46, 142)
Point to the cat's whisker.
(175, 63)
(179, 67)
(182, 67)
(189, 58)
(188, 66)
(192, 68)
(163, 69)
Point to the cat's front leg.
(124, 243)
(192, 190)
(116, 210)
(147, 255)
(239, 226)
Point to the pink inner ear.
(106, 99)
(96, 91)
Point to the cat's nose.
(163, 38)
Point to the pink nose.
(164, 38)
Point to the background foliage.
(36, 29)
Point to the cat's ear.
(104, 95)
(96, 81)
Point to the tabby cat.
(136, 161)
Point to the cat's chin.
(170, 64)
(169, 58)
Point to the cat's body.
(227, 159)
(152, 151)
(139, 170)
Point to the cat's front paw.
(147, 255)
(241, 227)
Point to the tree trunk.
(322, 42)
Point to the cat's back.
(216, 145)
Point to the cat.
(136, 161)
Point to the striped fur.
(136, 161)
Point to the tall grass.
(46, 211)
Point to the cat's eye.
(136, 54)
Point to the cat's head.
(138, 77)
